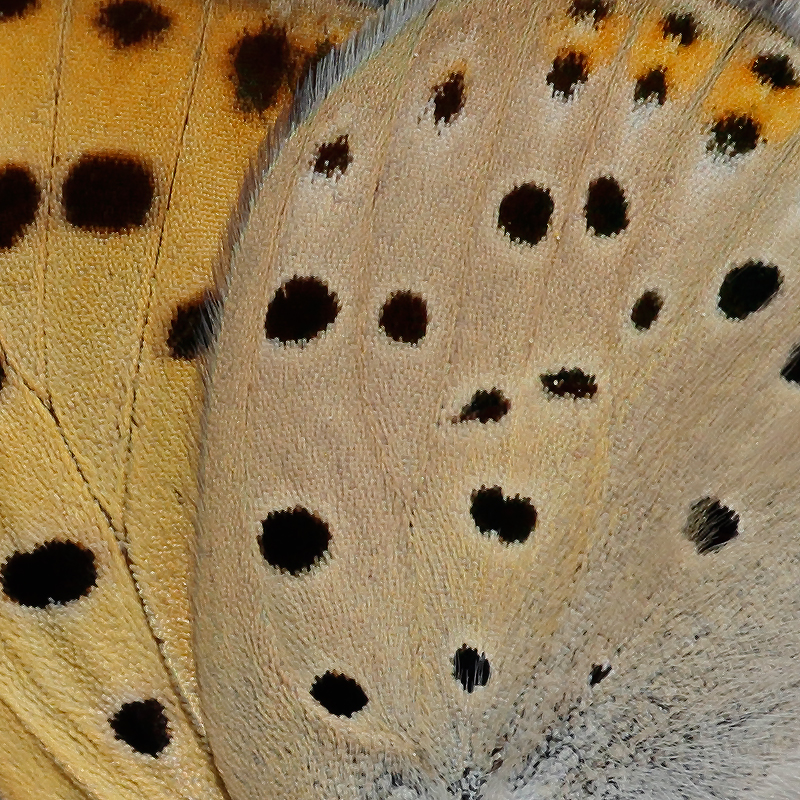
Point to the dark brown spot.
(606, 208)
(333, 158)
(598, 672)
(598, 10)
(646, 309)
(791, 369)
(13, 9)
(485, 407)
(338, 694)
(512, 519)
(132, 22)
(404, 317)
(192, 328)
(568, 70)
(574, 383)
(293, 539)
(20, 196)
(263, 63)
(775, 70)
(524, 213)
(300, 310)
(651, 87)
(108, 193)
(470, 668)
(710, 525)
(748, 288)
(53, 573)
(448, 98)
(143, 726)
(734, 135)
(681, 27)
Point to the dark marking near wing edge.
(192, 328)
(20, 197)
(132, 22)
(14, 9)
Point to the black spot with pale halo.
(143, 726)
(651, 87)
(470, 668)
(598, 10)
(20, 197)
(606, 208)
(710, 525)
(333, 157)
(484, 407)
(404, 317)
(192, 329)
(646, 310)
(573, 383)
(14, 9)
(53, 573)
(293, 539)
(568, 70)
(108, 193)
(734, 135)
(748, 288)
(263, 62)
(775, 70)
(301, 309)
(338, 694)
(132, 22)
(524, 213)
(448, 98)
(682, 27)
(511, 518)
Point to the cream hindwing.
(499, 485)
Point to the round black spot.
(132, 22)
(293, 539)
(108, 193)
(19, 200)
(710, 525)
(11, 9)
(606, 208)
(569, 382)
(524, 213)
(598, 10)
(262, 63)
(681, 27)
(775, 70)
(646, 309)
(791, 369)
(651, 87)
(333, 158)
(568, 70)
(511, 518)
(734, 135)
(448, 98)
(404, 317)
(192, 328)
(338, 694)
(598, 672)
(143, 726)
(470, 668)
(485, 406)
(748, 288)
(53, 573)
(300, 310)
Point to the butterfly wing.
(498, 449)
(127, 127)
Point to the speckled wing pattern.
(126, 127)
(501, 453)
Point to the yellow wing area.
(125, 130)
